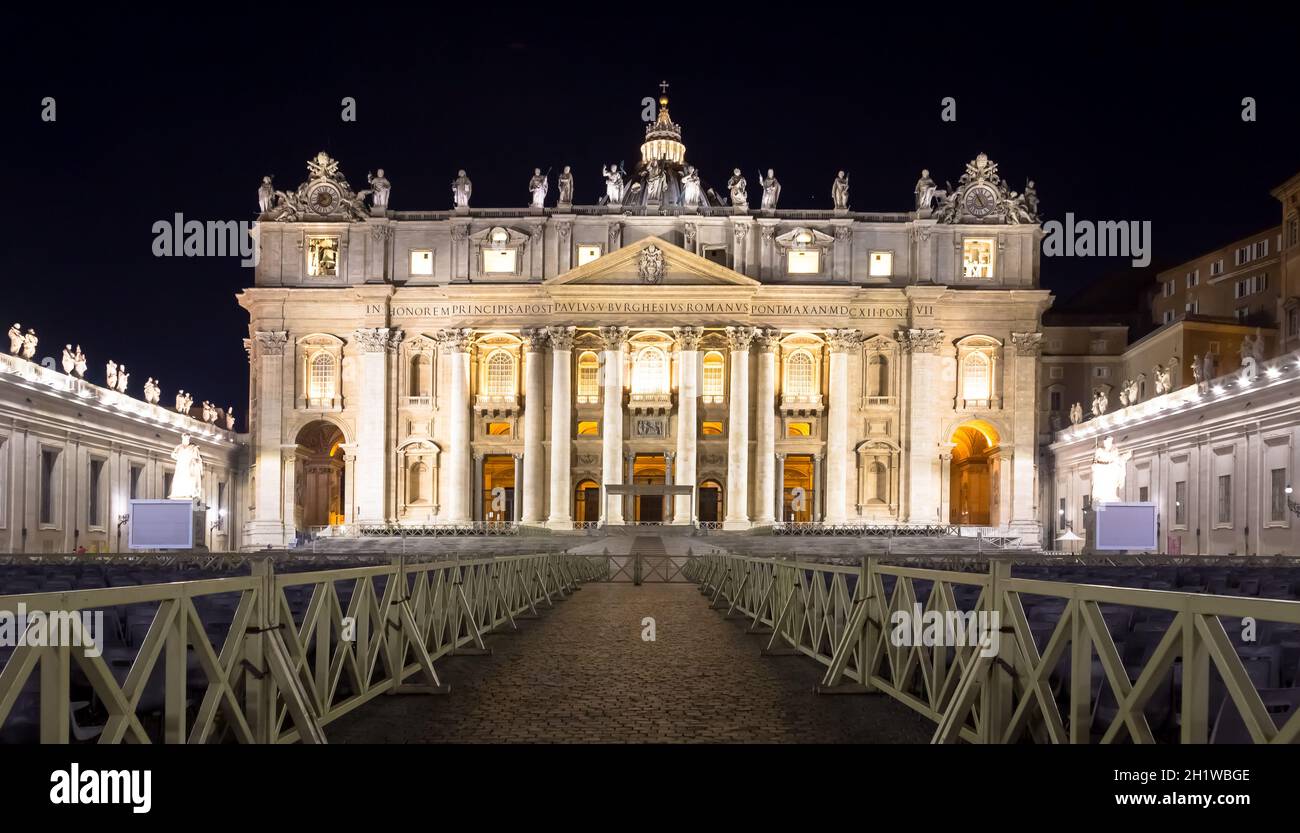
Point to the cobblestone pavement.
(582, 673)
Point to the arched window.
(714, 375)
(650, 371)
(500, 374)
(976, 381)
(799, 376)
(320, 383)
(877, 375)
(421, 376)
(588, 377)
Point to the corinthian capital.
(740, 338)
(534, 338)
(688, 338)
(916, 340)
(561, 337)
(843, 341)
(614, 337)
(377, 339)
(767, 339)
(1027, 344)
(455, 341)
(271, 342)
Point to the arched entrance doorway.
(709, 510)
(319, 476)
(649, 470)
(973, 475)
(798, 491)
(498, 498)
(586, 502)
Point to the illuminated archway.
(973, 491)
(318, 491)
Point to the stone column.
(837, 424)
(561, 338)
(688, 392)
(455, 346)
(350, 485)
(516, 510)
(779, 497)
(819, 490)
(266, 527)
(669, 480)
(1024, 488)
(529, 500)
(765, 483)
(739, 339)
(611, 429)
(922, 349)
(290, 491)
(476, 490)
(376, 345)
(629, 501)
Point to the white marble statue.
(379, 189)
(1133, 396)
(110, 374)
(1076, 413)
(771, 189)
(739, 189)
(924, 191)
(538, 186)
(69, 361)
(1031, 201)
(152, 392)
(1100, 402)
(692, 195)
(265, 195)
(180, 403)
(1163, 384)
(123, 378)
(230, 417)
(1209, 366)
(656, 182)
(565, 183)
(207, 411)
(81, 363)
(15, 339)
(840, 192)
(461, 188)
(1123, 393)
(29, 344)
(1109, 471)
(187, 479)
(613, 176)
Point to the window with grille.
(799, 374)
(713, 376)
(500, 374)
(320, 383)
(1225, 499)
(649, 371)
(588, 377)
(976, 378)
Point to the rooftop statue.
(380, 188)
(566, 186)
(840, 192)
(739, 189)
(692, 194)
(187, 479)
(80, 363)
(29, 344)
(656, 182)
(123, 378)
(265, 195)
(15, 339)
(69, 360)
(924, 191)
(461, 188)
(1076, 413)
(771, 190)
(538, 186)
(613, 183)
(110, 374)
(1109, 471)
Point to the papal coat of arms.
(650, 265)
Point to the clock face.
(323, 198)
(980, 201)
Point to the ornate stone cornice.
(455, 341)
(688, 338)
(614, 337)
(916, 340)
(1027, 344)
(271, 342)
(843, 341)
(377, 339)
(561, 337)
(740, 338)
(767, 339)
(534, 339)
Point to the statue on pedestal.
(461, 188)
(80, 361)
(538, 186)
(379, 189)
(1163, 383)
(230, 417)
(1076, 413)
(692, 195)
(187, 479)
(110, 374)
(924, 191)
(1031, 201)
(771, 190)
(122, 379)
(29, 344)
(1100, 402)
(613, 176)
(265, 195)
(1109, 471)
(840, 192)
(68, 360)
(739, 189)
(1123, 394)
(152, 392)
(15, 339)
(656, 182)
(566, 186)
(181, 407)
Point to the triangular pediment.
(639, 264)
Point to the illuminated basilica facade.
(651, 358)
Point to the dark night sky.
(1127, 112)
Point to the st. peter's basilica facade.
(672, 354)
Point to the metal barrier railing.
(276, 679)
(841, 616)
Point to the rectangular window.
(167, 485)
(133, 488)
(421, 262)
(587, 253)
(1242, 313)
(49, 471)
(1225, 499)
(323, 256)
(1168, 317)
(95, 509)
(1216, 268)
(221, 500)
(1144, 494)
(1169, 289)
(715, 254)
(1193, 307)
(1293, 322)
(1055, 400)
(1193, 278)
(977, 257)
(1101, 372)
(1180, 503)
(803, 262)
(1277, 495)
(881, 264)
(499, 261)
(588, 428)
(1057, 373)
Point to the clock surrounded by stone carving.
(324, 198)
(980, 201)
